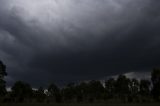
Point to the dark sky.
(44, 41)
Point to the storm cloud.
(44, 41)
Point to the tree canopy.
(117, 89)
(3, 73)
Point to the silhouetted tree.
(54, 93)
(144, 87)
(2, 81)
(134, 90)
(122, 87)
(81, 92)
(145, 90)
(110, 88)
(69, 92)
(155, 77)
(21, 91)
(40, 96)
(96, 90)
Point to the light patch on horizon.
(139, 75)
(146, 75)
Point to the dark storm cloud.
(70, 40)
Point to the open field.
(36, 104)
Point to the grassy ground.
(25, 104)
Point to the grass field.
(25, 104)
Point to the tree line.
(121, 89)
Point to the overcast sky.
(44, 41)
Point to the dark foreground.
(113, 104)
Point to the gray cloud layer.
(44, 41)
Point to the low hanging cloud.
(44, 41)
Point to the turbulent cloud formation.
(44, 41)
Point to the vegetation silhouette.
(122, 89)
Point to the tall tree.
(81, 92)
(110, 88)
(122, 87)
(21, 91)
(40, 95)
(69, 92)
(155, 77)
(145, 90)
(134, 90)
(3, 73)
(96, 90)
(54, 93)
